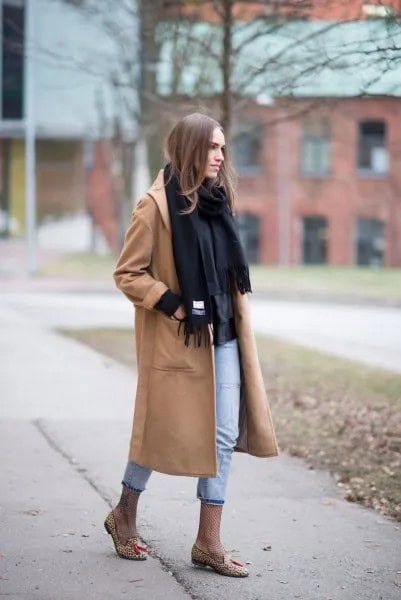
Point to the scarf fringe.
(199, 335)
(231, 279)
(234, 278)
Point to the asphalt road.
(366, 333)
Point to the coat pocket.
(170, 352)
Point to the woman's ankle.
(125, 525)
(125, 515)
(210, 546)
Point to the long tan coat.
(174, 428)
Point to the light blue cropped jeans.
(211, 490)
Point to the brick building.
(315, 10)
(323, 188)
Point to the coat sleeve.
(133, 270)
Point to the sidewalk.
(65, 417)
(53, 546)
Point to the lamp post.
(30, 155)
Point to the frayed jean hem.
(132, 489)
(211, 501)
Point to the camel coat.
(174, 429)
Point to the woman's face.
(215, 155)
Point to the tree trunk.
(150, 13)
(226, 104)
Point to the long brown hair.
(186, 149)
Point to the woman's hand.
(180, 313)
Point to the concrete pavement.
(53, 546)
(64, 428)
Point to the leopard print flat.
(228, 566)
(130, 549)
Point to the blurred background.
(309, 94)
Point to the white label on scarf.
(198, 308)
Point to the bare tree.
(227, 52)
(267, 49)
(230, 51)
(150, 15)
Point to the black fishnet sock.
(208, 538)
(125, 515)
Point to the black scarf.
(198, 264)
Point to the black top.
(223, 319)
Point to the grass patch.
(338, 415)
(383, 284)
(116, 343)
(335, 413)
(342, 281)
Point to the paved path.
(366, 333)
(369, 334)
(65, 416)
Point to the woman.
(200, 392)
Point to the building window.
(12, 68)
(372, 149)
(315, 148)
(246, 149)
(370, 242)
(314, 240)
(375, 11)
(249, 230)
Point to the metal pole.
(30, 157)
